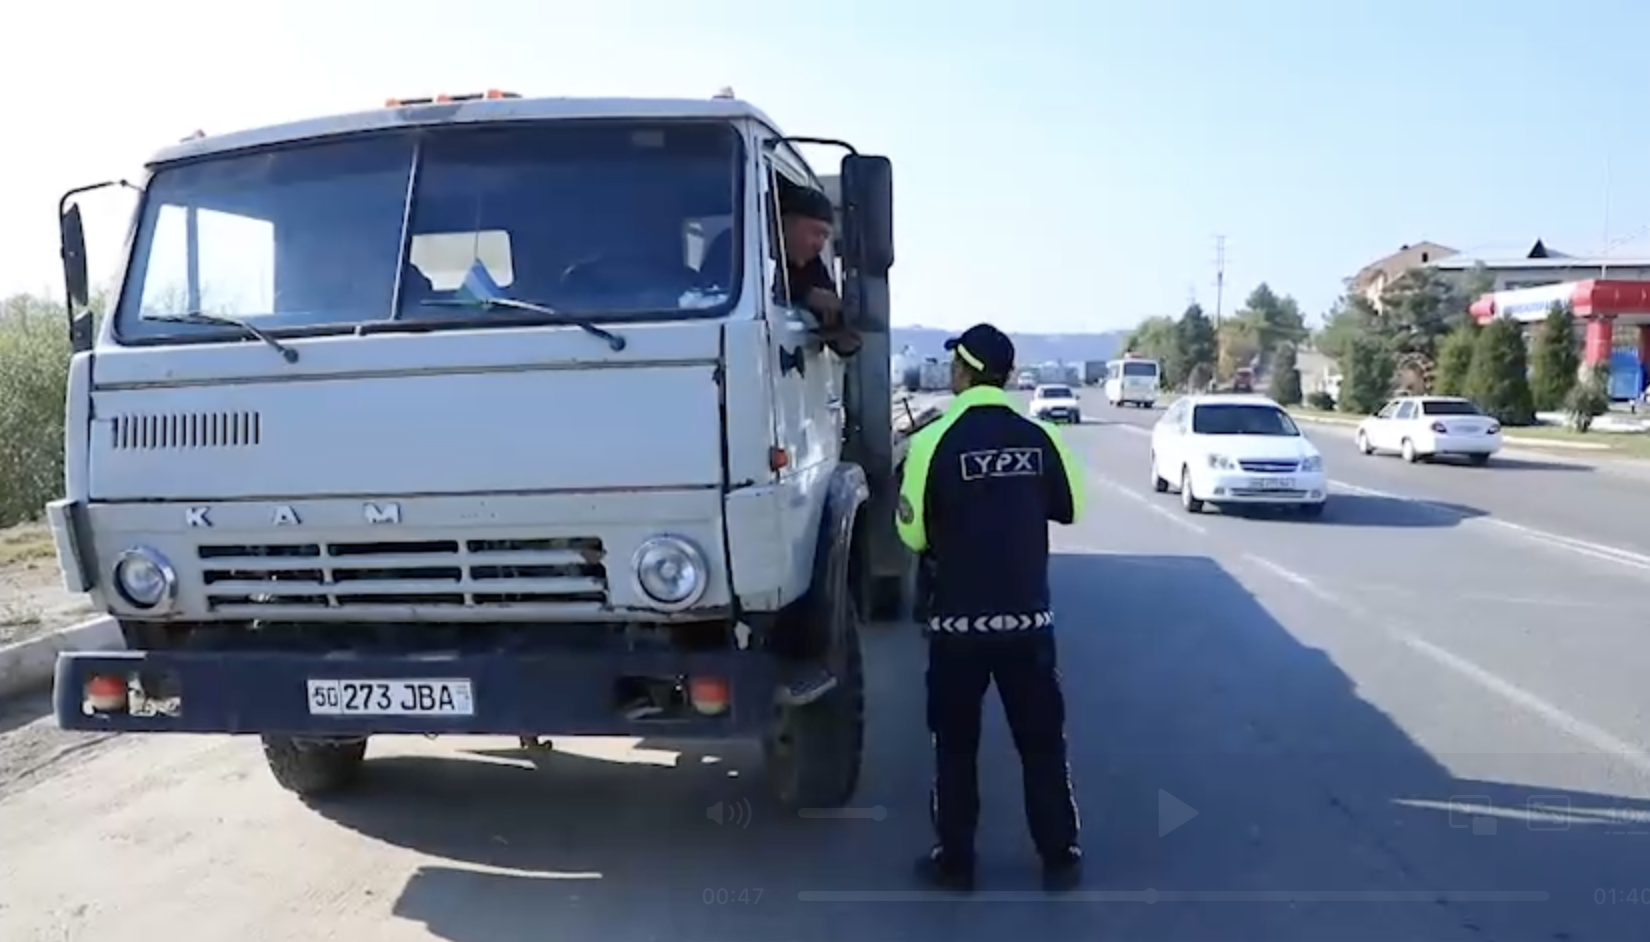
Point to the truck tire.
(813, 755)
(312, 768)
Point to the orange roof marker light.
(491, 94)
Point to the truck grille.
(491, 574)
(1265, 466)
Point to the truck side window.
(775, 270)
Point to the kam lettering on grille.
(1002, 463)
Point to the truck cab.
(484, 415)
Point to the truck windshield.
(598, 221)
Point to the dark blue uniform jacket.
(980, 488)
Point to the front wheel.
(1159, 485)
(1364, 447)
(313, 767)
(1188, 503)
(813, 755)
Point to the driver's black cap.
(985, 348)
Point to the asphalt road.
(1402, 721)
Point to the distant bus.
(1132, 381)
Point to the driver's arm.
(818, 292)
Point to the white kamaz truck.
(483, 415)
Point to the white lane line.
(1296, 579)
(1599, 551)
(1122, 490)
(1599, 739)
(1549, 713)
(1131, 429)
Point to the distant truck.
(378, 446)
(1094, 372)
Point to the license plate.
(1273, 484)
(420, 697)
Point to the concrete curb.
(29, 665)
(1518, 440)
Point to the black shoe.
(935, 870)
(1064, 872)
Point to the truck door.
(807, 376)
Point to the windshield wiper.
(201, 317)
(511, 304)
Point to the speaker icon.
(737, 813)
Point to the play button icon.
(1171, 812)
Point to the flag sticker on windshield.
(1002, 463)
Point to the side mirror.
(868, 213)
(72, 248)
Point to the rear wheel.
(314, 767)
(1364, 447)
(1409, 452)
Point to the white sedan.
(1424, 427)
(1056, 404)
(1236, 449)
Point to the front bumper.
(519, 694)
(1245, 487)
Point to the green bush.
(1499, 377)
(1449, 377)
(1366, 378)
(34, 365)
(1286, 377)
(1588, 399)
(1555, 360)
(1320, 400)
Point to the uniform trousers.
(961, 668)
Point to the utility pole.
(1220, 300)
(1220, 277)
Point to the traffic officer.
(979, 489)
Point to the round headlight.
(670, 571)
(144, 578)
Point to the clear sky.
(1059, 166)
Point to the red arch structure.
(1602, 304)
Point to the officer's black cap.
(986, 349)
(808, 202)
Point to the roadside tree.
(1498, 378)
(1286, 376)
(1159, 338)
(1455, 360)
(1366, 376)
(1555, 360)
(1197, 343)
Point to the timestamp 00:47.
(724, 897)
(1606, 896)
